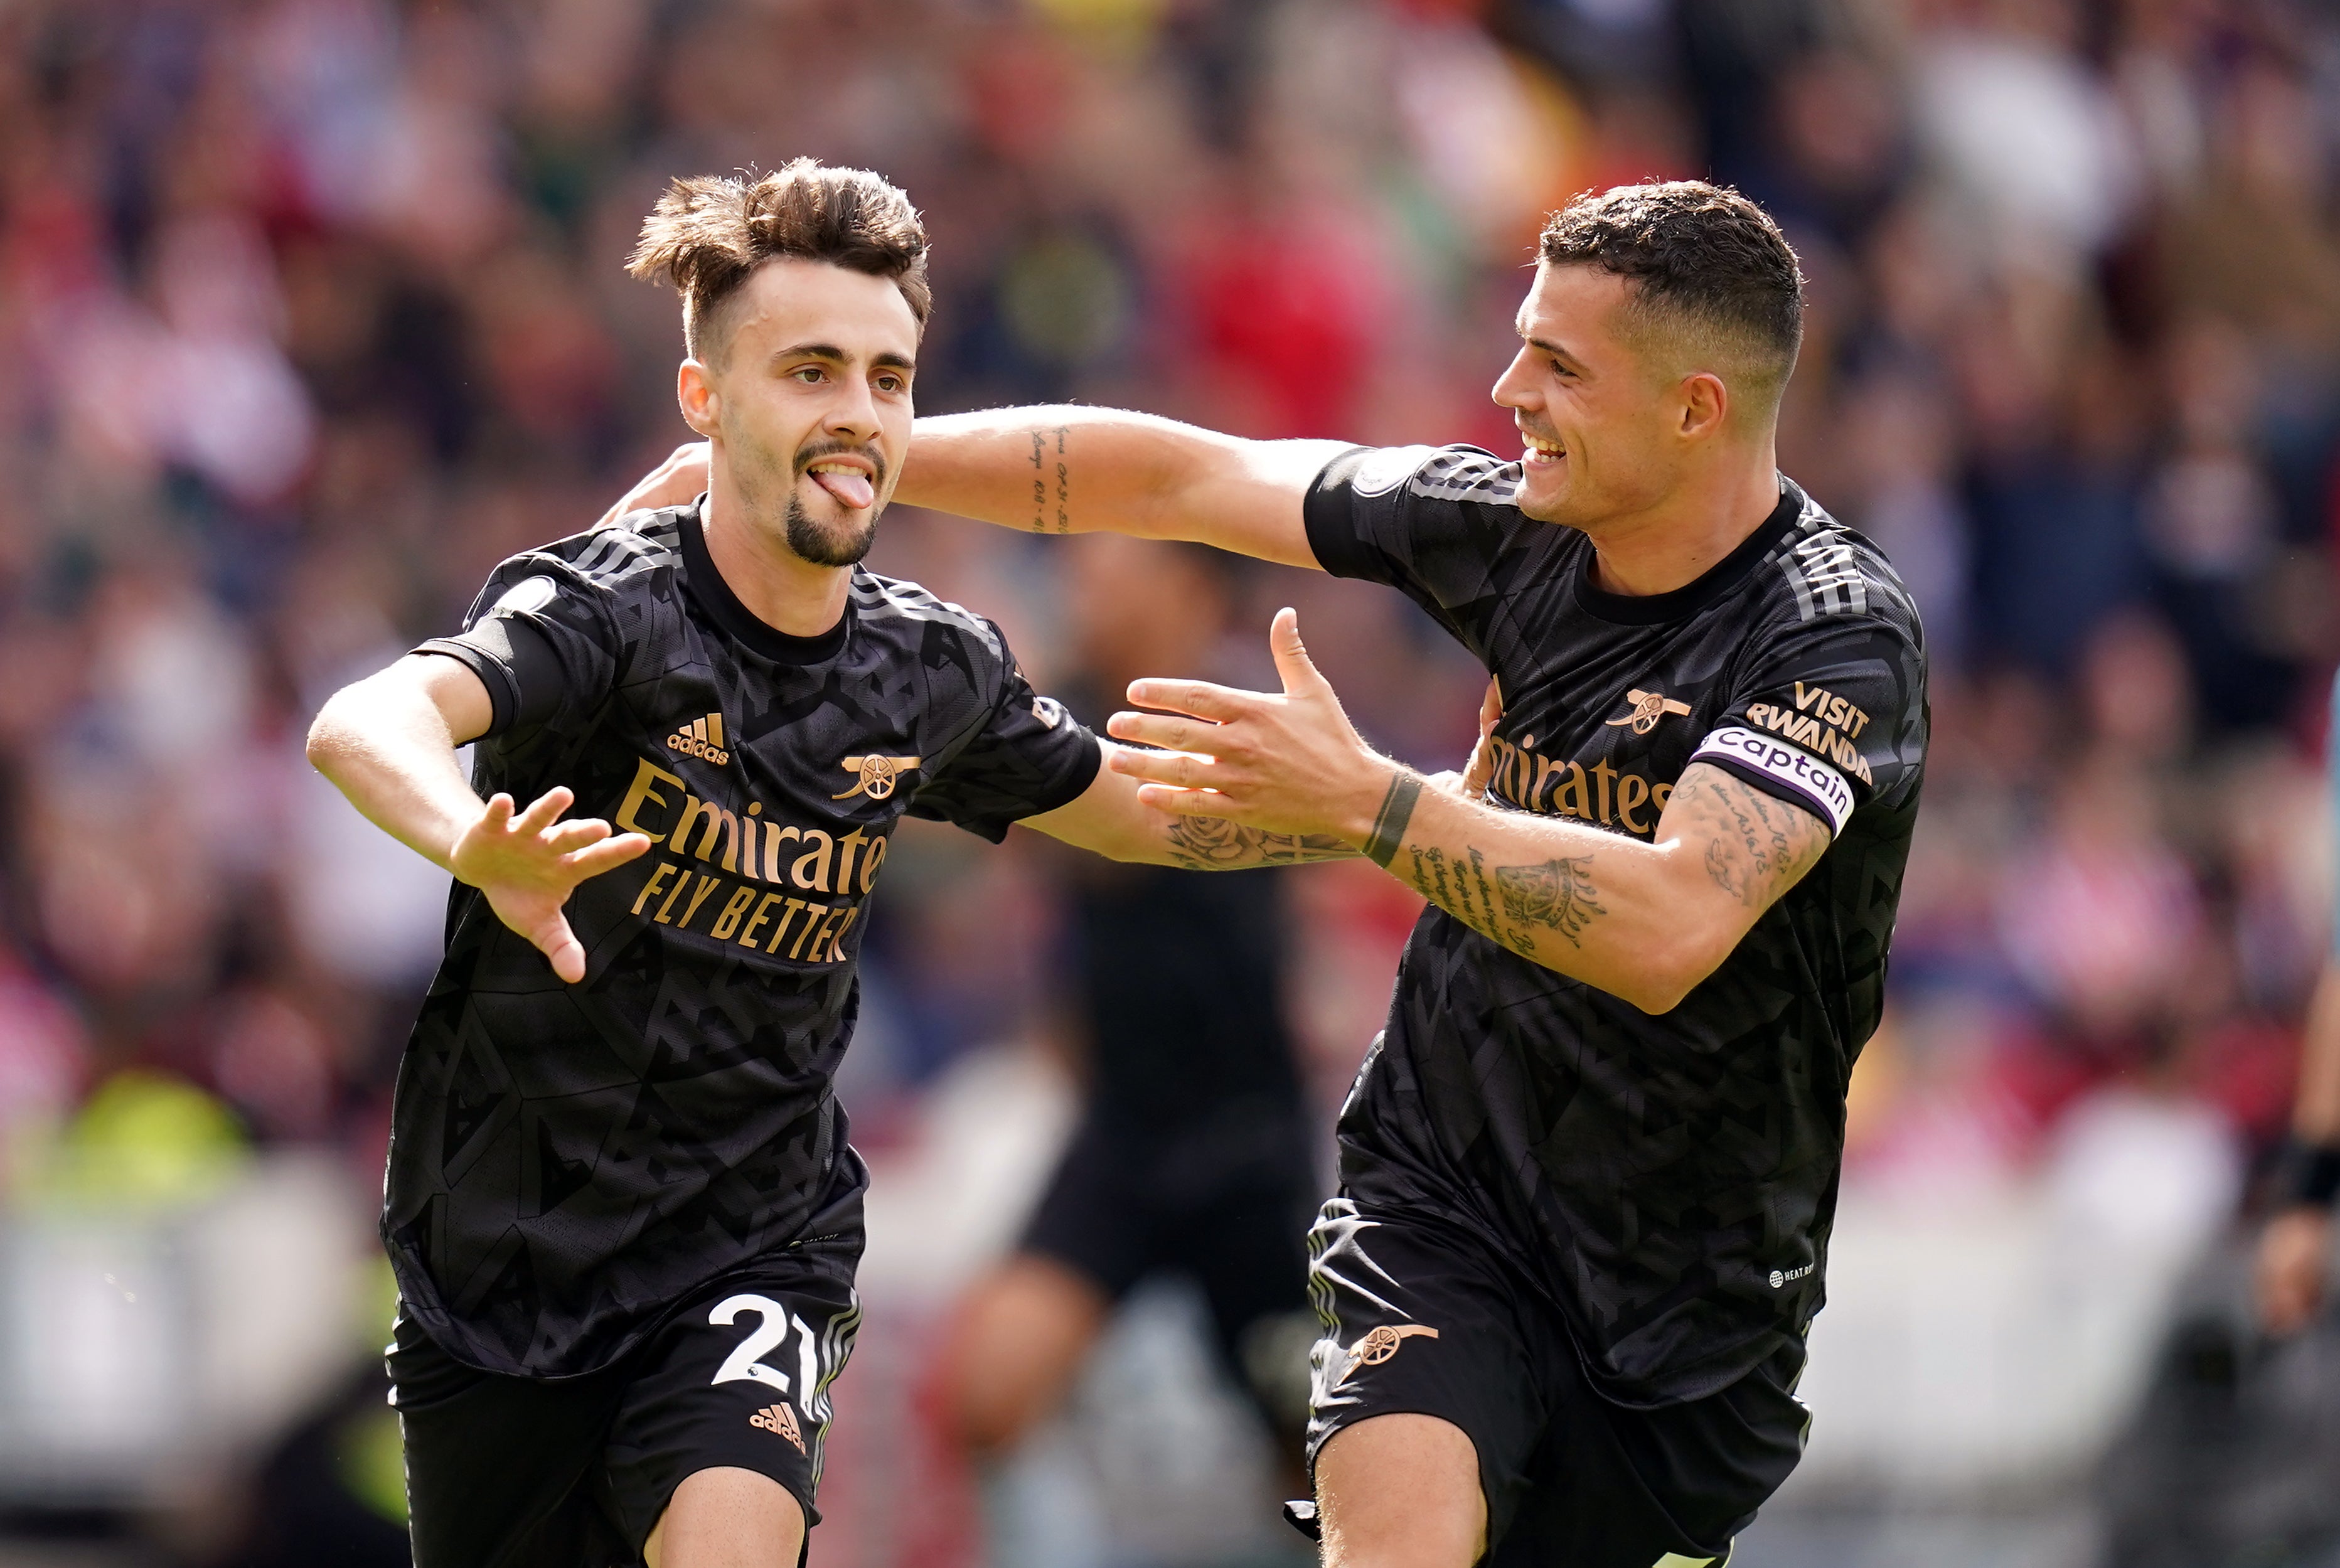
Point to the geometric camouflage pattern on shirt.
(568, 1160)
(1667, 1183)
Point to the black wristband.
(1389, 827)
(2308, 1175)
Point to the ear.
(702, 406)
(1705, 405)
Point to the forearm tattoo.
(1389, 828)
(1052, 481)
(1511, 904)
(1757, 844)
(1555, 895)
(1215, 844)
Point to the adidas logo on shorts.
(701, 738)
(779, 1418)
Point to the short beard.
(758, 478)
(825, 547)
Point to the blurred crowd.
(311, 311)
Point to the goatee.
(833, 546)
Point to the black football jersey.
(566, 1161)
(1668, 1182)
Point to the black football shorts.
(574, 1473)
(1426, 1318)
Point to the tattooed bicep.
(1753, 845)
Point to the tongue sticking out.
(852, 489)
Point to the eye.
(809, 374)
(889, 383)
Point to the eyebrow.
(836, 355)
(1547, 347)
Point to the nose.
(852, 416)
(1516, 388)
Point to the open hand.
(1289, 764)
(529, 864)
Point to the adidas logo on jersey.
(701, 738)
(780, 1419)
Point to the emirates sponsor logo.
(701, 738)
(748, 872)
(781, 1419)
(1625, 796)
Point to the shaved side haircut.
(1714, 280)
(708, 234)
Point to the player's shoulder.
(624, 556)
(580, 578)
(896, 603)
(618, 554)
(1454, 472)
(1823, 571)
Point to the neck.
(1677, 541)
(780, 587)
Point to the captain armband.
(1821, 788)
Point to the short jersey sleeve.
(542, 639)
(1828, 715)
(1025, 756)
(1427, 520)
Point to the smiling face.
(1602, 416)
(807, 400)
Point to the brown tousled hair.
(709, 232)
(1706, 264)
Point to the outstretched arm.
(1646, 922)
(1069, 470)
(1065, 469)
(1110, 817)
(1113, 818)
(388, 742)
